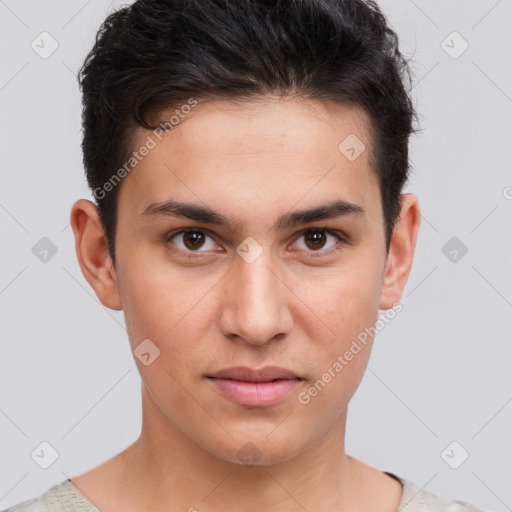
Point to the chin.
(257, 449)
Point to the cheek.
(165, 315)
(341, 344)
(346, 301)
(172, 310)
(340, 313)
(156, 298)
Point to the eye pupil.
(193, 239)
(317, 238)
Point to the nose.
(256, 302)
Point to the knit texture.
(64, 497)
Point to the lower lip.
(255, 394)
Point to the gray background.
(440, 371)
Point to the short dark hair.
(156, 54)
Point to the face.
(247, 238)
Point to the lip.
(256, 388)
(266, 374)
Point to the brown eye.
(191, 240)
(316, 242)
(315, 239)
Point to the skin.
(252, 162)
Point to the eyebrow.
(200, 213)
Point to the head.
(276, 134)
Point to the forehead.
(261, 152)
(266, 125)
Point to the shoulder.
(417, 500)
(61, 497)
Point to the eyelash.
(341, 237)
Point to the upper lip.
(266, 374)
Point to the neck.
(178, 474)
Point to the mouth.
(266, 374)
(255, 388)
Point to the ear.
(401, 251)
(92, 252)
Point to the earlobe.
(401, 252)
(92, 253)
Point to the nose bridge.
(256, 307)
